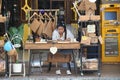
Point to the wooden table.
(64, 45)
(60, 45)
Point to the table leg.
(75, 65)
(7, 65)
(29, 69)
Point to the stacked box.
(84, 18)
(89, 17)
(95, 17)
(90, 64)
(89, 36)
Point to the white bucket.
(17, 67)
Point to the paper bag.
(40, 29)
(34, 25)
(48, 30)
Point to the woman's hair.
(62, 24)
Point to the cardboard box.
(91, 64)
(91, 34)
(95, 17)
(81, 6)
(90, 12)
(94, 39)
(86, 5)
(89, 5)
(85, 40)
(84, 18)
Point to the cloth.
(56, 35)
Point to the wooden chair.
(59, 58)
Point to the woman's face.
(60, 30)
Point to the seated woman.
(62, 34)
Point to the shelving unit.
(3, 54)
(90, 53)
(3, 62)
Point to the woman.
(62, 34)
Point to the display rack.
(3, 62)
(90, 52)
(3, 54)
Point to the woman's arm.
(54, 35)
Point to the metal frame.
(92, 45)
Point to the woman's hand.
(68, 39)
(59, 39)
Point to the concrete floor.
(107, 70)
(110, 71)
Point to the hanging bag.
(34, 25)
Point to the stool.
(59, 58)
(16, 73)
(35, 61)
